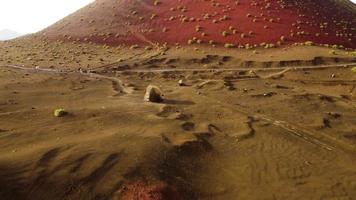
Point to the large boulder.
(153, 94)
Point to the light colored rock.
(181, 83)
(153, 94)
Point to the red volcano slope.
(234, 22)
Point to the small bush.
(228, 46)
(309, 43)
(60, 112)
(353, 69)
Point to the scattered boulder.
(153, 94)
(181, 83)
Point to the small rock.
(181, 83)
(153, 94)
(269, 94)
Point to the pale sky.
(29, 16)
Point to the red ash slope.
(237, 22)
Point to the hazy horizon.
(35, 15)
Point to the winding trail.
(244, 69)
(119, 84)
(126, 90)
(321, 140)
(238, 69)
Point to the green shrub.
(60, 112)
(309, 43)
(353, 69)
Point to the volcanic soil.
(247, 122)
(240, 23)
(279, 124)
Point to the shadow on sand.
(177, 102)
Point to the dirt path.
(324, 142)
(240, 152)
(118, 83)
(347, 65)
(238, 69)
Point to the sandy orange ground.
(262, 132)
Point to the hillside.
(225, 124)
(347, 4)
(237, 23)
